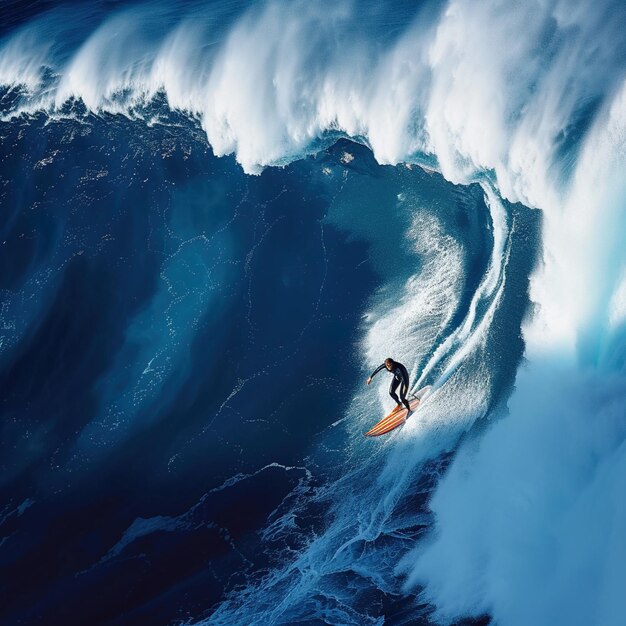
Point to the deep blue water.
(153, 249)
(177, 324)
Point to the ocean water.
(217, 218)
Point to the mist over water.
(185, 337)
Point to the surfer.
(400, 377)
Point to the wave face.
(184, 337)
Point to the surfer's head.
(389, 363)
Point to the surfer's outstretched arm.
(380, 367)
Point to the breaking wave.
(525, 106)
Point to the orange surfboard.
(397, 417)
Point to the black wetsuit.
(400, 377)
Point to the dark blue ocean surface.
(177, 323)
(177, 338)
(217, 218)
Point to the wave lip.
(269, 83)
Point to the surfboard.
(397, 417)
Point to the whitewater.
(503, 498)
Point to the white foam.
(528, 518)
(406, 327)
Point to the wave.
(528, 101)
